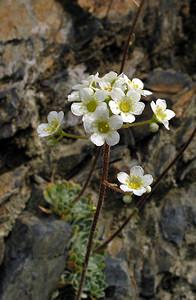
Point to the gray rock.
(35, 258)
(173, 223)
(118, 281)
(148, 281)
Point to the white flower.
(91, 82)
(136, 85)
(162, 114)
(126, 105)
(102, 128)
(74, 96)
(90, 101)
(55, 120)
(110, 81)
(136, 182)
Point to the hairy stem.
(102, 191)
(138, 123)
(73, 136)
(142, 201)
(131, 32)
(104, 178)
(113, 187)
(93, 164)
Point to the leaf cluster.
(60, 197)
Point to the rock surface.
(45, 48)
(35, 258)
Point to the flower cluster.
(105, 103)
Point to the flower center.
(134, 182)
(103, 127)
(125, 106)
(160, 113)
(108, 88)
(91, 105)
(52, 126)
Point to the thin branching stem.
(93, 164)
(113, 187)
(73, 136)
(108, 9)
(143, 200)
(131, 32)
(138, 123)
(102, 191)
(106, 156)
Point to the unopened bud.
(154, 127)
(127, 198)
(148, 189)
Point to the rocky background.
(45, 48)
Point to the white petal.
(153, 106)
(147, 179)
(52, 115)
(74, 96)
(139, 192)
(125, 188)
(112, 138)
(61, 117)
(114, 107)
(137, 171)
(122, 177)
(77, 109)
(117, 94)
(138, 108)
(170, 114)
(133, 95)
(166, 124)
(97, 139)
(102, 106)
(111, 76)
(88, 124)
(100, 95)
(128, 117)
(138, 82)
(104, 84)
(42, 130)
(86, 93)
(101, 113)
(146, 93)
(162, 103)
(115, 122)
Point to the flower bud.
(154, 127)
(127, 198)
(148, 189)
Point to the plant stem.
(132, 29)
(102, 191)
(138, 123)
(73, 136)
(108, 9)
(114, 187)
(89, 175)
(141, 203)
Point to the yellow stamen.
(91, 105)
(134, 182)
(103, 127)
